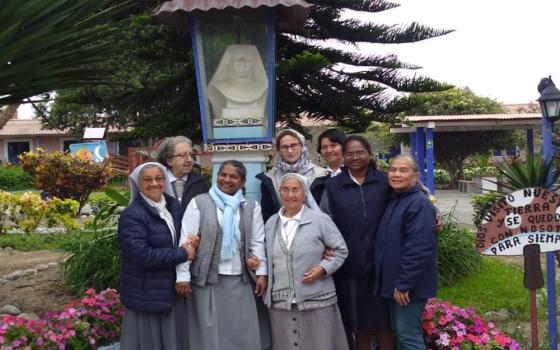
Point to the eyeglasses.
(184, 156)
(358, 154)
(294, 191)
(292, 147)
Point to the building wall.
(48, 143)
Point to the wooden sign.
(527, 216)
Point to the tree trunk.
(7, 114)
(455, 169)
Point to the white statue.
(238, 89)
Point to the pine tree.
(311, 81)
(309, 78)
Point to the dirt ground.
(36, 294)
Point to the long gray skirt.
(223, 316)
(308, 329)
(155, 331)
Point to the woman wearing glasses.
(301, 294)
(292, 157)
(356, 199)
(176, 154)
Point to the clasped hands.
(184, 289)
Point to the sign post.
(525, 222)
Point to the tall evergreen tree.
(311, 80)
(309, 76)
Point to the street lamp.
(549, 99)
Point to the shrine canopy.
(292, 13)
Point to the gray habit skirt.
(223, 316)
(155, 331)
(309, 329)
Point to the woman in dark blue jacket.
(148, 233)
(405, 253)
(356, 199)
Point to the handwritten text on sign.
(527, 216)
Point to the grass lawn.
(100, 194)
(498, 285)
(43, 241)
(19, 193)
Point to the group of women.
(330, 258)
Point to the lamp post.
(550, 106)
(549, 99)
(234, 50)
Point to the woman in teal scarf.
(230, 266)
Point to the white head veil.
(133, 179)
(308, 198)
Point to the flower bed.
(85, 324)
(95, 320)
(449, 327)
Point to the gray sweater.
(315, 232)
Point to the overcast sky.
(500, 48)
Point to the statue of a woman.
(238, 89)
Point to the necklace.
(289, 234)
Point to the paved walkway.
(448, 200)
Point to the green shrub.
(97, 204)
(95, 263)
(481, 203)
(65, 176)
(92, 263)
(28, 211)
(457, 256)
(441, 177)
(13, 178)
(469, 173)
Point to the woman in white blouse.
(222, 309)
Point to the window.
(15, 148)
(66, 144)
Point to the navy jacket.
(148, 256)
(406, 247)
(356, 211)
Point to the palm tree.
(47, 45)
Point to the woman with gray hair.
(176, 154)
(292, 157)
(148, 233)
(406, 252)
(301, 294)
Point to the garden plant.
(65, 176)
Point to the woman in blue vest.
(148, 233)
(405, 254)
(221, 304)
